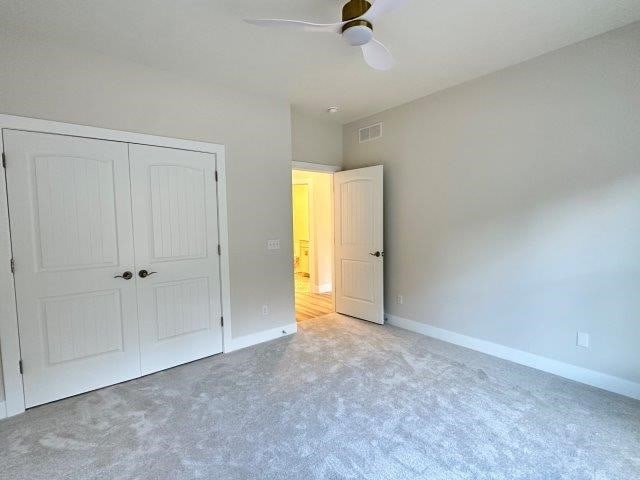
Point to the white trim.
(562, 369)
(223, 235)
(314, 167)
(48, 126)
(9, 339)
(324, 288)
(260, 337)
(3, 410)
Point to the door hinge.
(4, 160)
(12, 263)
(222, 321)
(219, 250)
(20, 367)
(216, 175)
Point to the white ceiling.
(437, 43)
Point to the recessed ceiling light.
(333, 109)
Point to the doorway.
(338, 252)
(312, 202)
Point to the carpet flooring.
(342, 399)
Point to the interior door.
(176, 243)
(69, 204)
(359, 251)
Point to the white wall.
(41, 81)
(513, 204)
(315, 140)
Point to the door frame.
(318, 168)
(314, 167)
(9, 335)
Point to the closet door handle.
(145, 274)
(376, 254)
(126, 275)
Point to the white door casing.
(176, 236)
(359, 250)
(71, 230)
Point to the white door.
(359, 251)
(69, 204)
(176, 241)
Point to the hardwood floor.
(312, 305)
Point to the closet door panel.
(70, 210)
(176, 242)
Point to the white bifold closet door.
(86, 316)
(175, 217)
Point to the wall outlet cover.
(265, 310)
(582, 340)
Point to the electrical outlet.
(399, 299)
(273, 244)
(582, 340)
(265, 310)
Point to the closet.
(117, 267)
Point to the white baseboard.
(566, 370)
(260, 337)
(3, 409)
(324, 288)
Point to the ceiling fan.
(356, 27)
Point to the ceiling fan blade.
(297, 25)
(382, 6)
(377, 55)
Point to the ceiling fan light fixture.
(357, 33)
(358, 17)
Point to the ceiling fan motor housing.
(356, 32)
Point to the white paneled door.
(359, 251)
(71, 230)
(116, 261)
(176, 243)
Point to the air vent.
(372, 132)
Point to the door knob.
(126, 275)
(376, 254)
(145, 274)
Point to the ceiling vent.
(372, 132)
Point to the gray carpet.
(341, 399)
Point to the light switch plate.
(273, 244)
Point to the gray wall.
(315, 140)
(71, 86)
(513, 204)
